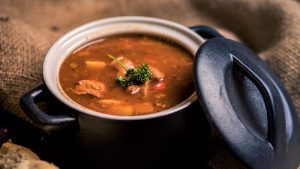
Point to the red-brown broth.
(171, 59)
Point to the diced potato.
(123, 110)
(109, 102)
(95, 64)
(143, 108)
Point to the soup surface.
(164, 75)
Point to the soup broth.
(89, 75)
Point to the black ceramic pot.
(118, 140)
(241, 98)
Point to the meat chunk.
(127, 64)
(145, 88)
(92, 87)
(156, 74)
(134, 89)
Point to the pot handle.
(47, 122)
(205, 31)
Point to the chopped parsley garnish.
(122, 81)
(134, 76)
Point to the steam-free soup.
(128, 75)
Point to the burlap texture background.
(28, 28)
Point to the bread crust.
(13, 156)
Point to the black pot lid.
(246, 104)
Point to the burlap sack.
(21, 53)
(28, 28)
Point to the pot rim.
(112, 26)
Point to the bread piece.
(14, 156)
(10, 149)
(35, 164)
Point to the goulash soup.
(128, 75)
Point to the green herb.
(139, 75)
(135, 76)
(122, 81)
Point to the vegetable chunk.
(122, 110)
(109, 102)
(95, 64)
(143, 108)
